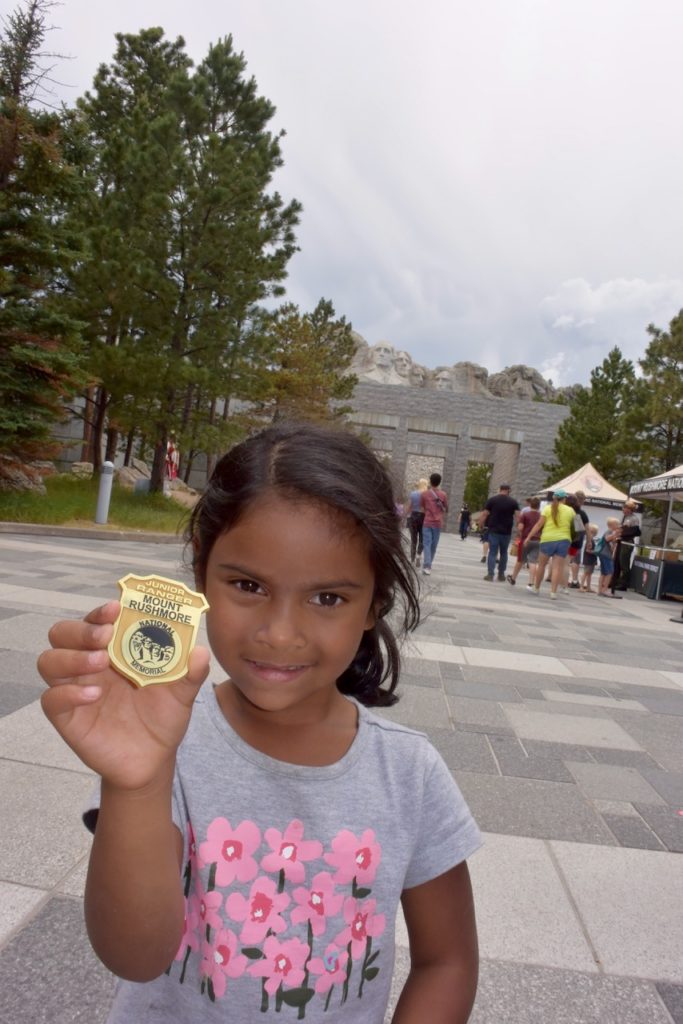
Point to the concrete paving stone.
(615, 673)
(510, 660)
(449, 671)
(529, 807)
(660, 736)
(419, 666)
(665, 705)
(480, 712)
(523, 912)
(611, 886)
(589, 691)
(420, 708)
(632, 833)
(632, 758)
(8, 613)
(26, 736)
(16, 695)
(437, 652)
(562, 751)
(589, 700)
(501, 677)
(513, 761)
(559, 728)
(672, 997)
(666, 823)
(27, 632)
(674, 677)
(613, 782)
(73, 884)
(669, 785)
(47, 837)
(469, 751)
(413, 679)
(488, 730)
(17, 903)
(480, 691)
(522, 994)
(49, 974)
(616, 808)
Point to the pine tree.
(40, 345)
(310, 358)
(186, 239)
(592, 431)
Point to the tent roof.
(666, 485)
(597, 490)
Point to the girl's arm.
(444, 951)
(134, 904)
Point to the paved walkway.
(562, 722)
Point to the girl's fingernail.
(91, 692)
(98, 659)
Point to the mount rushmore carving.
(383, 364)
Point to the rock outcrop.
(383, 364)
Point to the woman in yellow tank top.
(555, 527)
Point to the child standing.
(253, 839)
(589, 559)
(605, 551)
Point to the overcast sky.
(496, 181)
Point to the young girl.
(605, 551)
(253, 839)
(590, 558)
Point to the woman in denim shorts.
(555, 527)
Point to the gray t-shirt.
(293, 874)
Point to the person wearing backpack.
(435, 505)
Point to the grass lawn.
(73, 502)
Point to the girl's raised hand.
(126, 735)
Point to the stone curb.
(85, 533)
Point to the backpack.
(598, 545)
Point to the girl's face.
(290, 590)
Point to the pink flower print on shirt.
(289, 851)
(208, 907)
(331, 967)
(231, 849)
(354, 857)
(362, 923)
(260, 911)
(317, 903)
(191, 923)
(220, 960)
(284, 963)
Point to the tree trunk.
(101, 402)
(156, 483)
(112, 444)
(128, 454)
(89, 413)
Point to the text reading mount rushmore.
(383, 364)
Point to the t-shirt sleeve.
(447, 833)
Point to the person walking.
(555, 527)
(580, 539)
(435, 505)
(464, 524)
(498, 516)
(415, 520)
(527, 521)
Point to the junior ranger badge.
(156, 629)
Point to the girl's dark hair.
(335, 468)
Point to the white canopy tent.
(602, 499)
(667, 486)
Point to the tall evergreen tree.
(186, 238)
(592, 431)
(310, 358)
(653, 426)
(40, 364)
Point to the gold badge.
(156, 629)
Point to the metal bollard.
(104, 494)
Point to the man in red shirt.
(435, 505)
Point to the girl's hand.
(126, 735)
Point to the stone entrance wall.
(420, 432)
